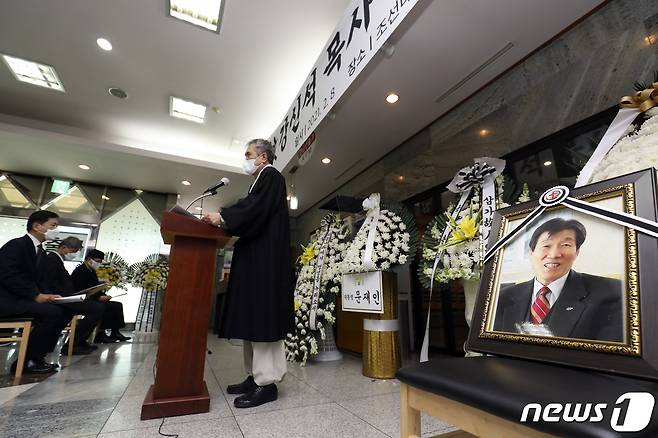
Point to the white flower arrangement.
(631, 153)
(150, 274)
(391, 248)
(303, 343)
(462, 253)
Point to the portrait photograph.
(564, 277)
(573, 284)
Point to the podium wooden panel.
(179, 388)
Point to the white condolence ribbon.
(617, 128)
(483, 173)
(319, 267)
(371, 206)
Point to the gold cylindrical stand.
(381, 336)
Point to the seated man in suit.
(570, 304)
(20, 295)
(53, 276)
(84, 276)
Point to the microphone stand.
(205, 195)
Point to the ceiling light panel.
(33, 73)
(187, 110)
(203, 13)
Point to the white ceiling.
(252, 71)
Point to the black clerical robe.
(259, 299)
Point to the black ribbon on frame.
(560, 196)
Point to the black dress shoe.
(243, 387)
(116, 334)
(102, 338)
(34, 367)
(257, 396)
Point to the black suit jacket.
(83, 277)
(589, 307)
(54, 277)
(18, 275)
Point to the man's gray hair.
(261, 146)
(71, 242)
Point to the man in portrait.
(568, 303)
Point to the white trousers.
(266, 361)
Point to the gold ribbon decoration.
(642, 100)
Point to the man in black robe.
(259, 305)
(84, 276)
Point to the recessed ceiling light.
(326, 160)
(547, 163)
(33, 73)
(484, 132)
(392, 98)
(186, 182)
(117, 92)
(204, 13)
(84, 166)
(104, 44)
(187, 110)
(400, 178)
(199, 208)
(105, 198)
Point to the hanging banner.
(364, 28)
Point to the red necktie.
(541, 306)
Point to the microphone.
(210, 191)
(222, 182)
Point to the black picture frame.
(637, 354)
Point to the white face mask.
(249, 166)
(52, 234)
(69, 257)
(94, 264)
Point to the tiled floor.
(100, 395)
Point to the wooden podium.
(179, 388)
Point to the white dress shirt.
(36, 242)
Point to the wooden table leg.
(409, 417)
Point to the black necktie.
(41, 254)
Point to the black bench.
(487, 397)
